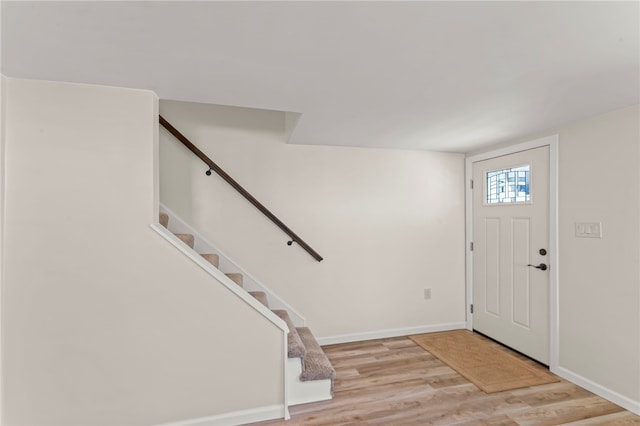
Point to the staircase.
(309, 373)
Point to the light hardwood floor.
(395, 382)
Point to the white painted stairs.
(309, 372)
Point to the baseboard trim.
(395, 332)
(236, 417)
(606, 393)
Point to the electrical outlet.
(427, 293)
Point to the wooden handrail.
(213, 166)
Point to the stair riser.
(188, 239)
(213, 259)
(261, 297)
(295, 346)
(236, 278)
(304, 392)
(164, 219)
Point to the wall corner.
(3, 109)
(155, 146)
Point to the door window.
(508, 186)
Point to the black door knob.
(541, 266)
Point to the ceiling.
(445, 76)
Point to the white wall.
(388, 223)
(3, 99)
(600, 278)
(104, 322)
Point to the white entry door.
(511, 250)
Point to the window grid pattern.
(508, 186)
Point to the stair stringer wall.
(239, 292)
(219, 276)
(249, 283)
(104, 322)
(297, 391)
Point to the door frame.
(552, 143)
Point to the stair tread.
(164, 219)
(260, 296)
(188, 239)
(295, 347)
(214, 259)
(315, 364)
(235, 277)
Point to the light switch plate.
(588, 229)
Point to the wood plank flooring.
(395, 382)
